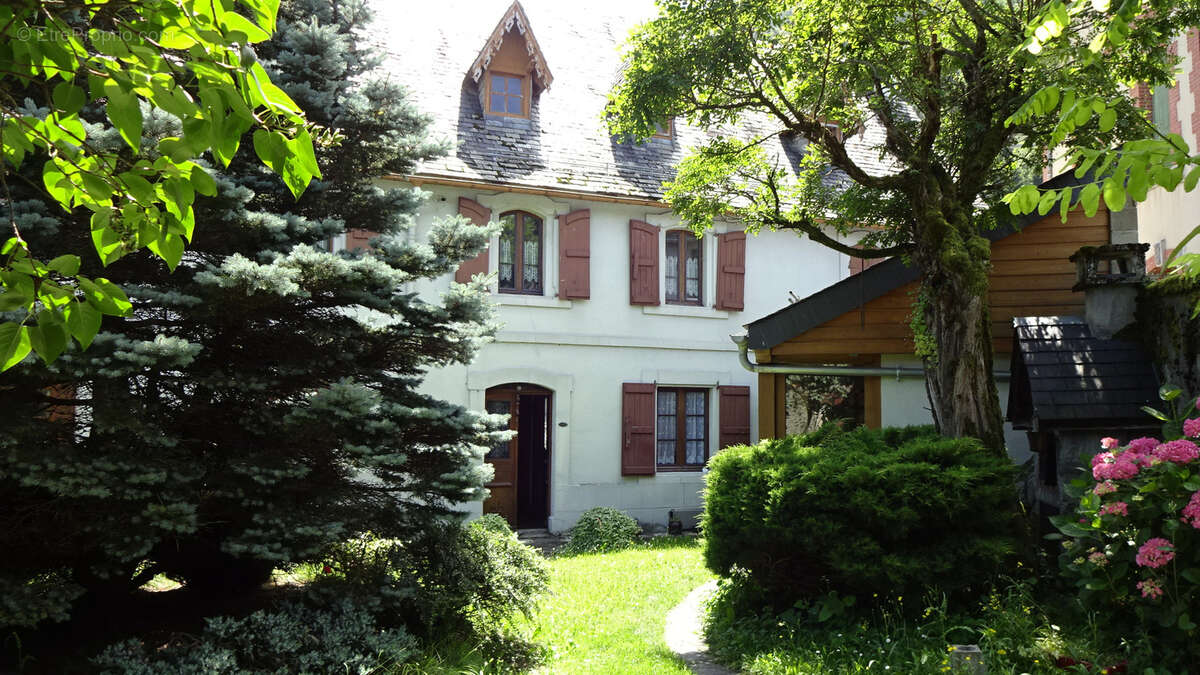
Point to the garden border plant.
(1132, 545)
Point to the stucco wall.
(584, 349)
(905, 402)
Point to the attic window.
(665, 129)
(506, 95)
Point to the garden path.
(684, 632)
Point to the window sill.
(685, 310)
(518, 300)
(680, 469)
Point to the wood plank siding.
(1031, 276)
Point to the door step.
(540, 539)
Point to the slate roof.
(430, 47)
(1065, 376)
(859, 289)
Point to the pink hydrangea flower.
(1115, 508)
(1098, 559)
(1191, 428)
(1150, 588)
(1119, 467)
(1109, 443)
(1105, 488)
(1155, 552)
(1142, 446)
(1180, 452)
(1191, 512)
(1198, 403)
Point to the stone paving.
(684, 635)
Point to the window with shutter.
(734, 403)
(519, 260)
(637, 429)
(479, 215)
(731, 270)
(574, 255)
(681, 428)
(643, 263)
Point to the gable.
(512, 47)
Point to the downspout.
(851, 371)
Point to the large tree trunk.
(957, 321)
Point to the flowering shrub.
(1134, 541)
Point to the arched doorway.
(520, 489)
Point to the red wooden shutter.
(479, 215)
(731, 270)
(643, 263)
(637, 429)
(574, 255)
(734, 404)
(357, 239)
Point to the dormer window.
(510, 68)
(665, 129)
(506, 94)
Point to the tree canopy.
(66, 67)
(931, 89)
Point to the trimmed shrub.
(601, 529)
(295, 638)
(860, 512)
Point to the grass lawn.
(606, 611)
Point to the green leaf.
(1169, 393)
(48, 337)
(202, 182)
(1046, 202)
(169, 247)
(175, 148)
(66, 265)
(232, 21)
(125, 114)
(68, 98)
(1193, 177)
(1114, 194)
(14, 344)
(105, 296)
(1108, 119)
(13, 300)
(83, 321)
(1185, 622)
(1154, 413)
(1089, 197)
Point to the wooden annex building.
(864, 319)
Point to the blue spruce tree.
(261, 402)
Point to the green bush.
(601, 529)
(860, 512)
(455, 578)
(295, 638)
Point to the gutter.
(899, 372)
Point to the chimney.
(1109, 277)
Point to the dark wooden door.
(503, 458)
(533, 466)
(520, 485)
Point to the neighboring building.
(863, 321)
(614, 358)
(1165, 218)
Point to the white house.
(614, 358)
